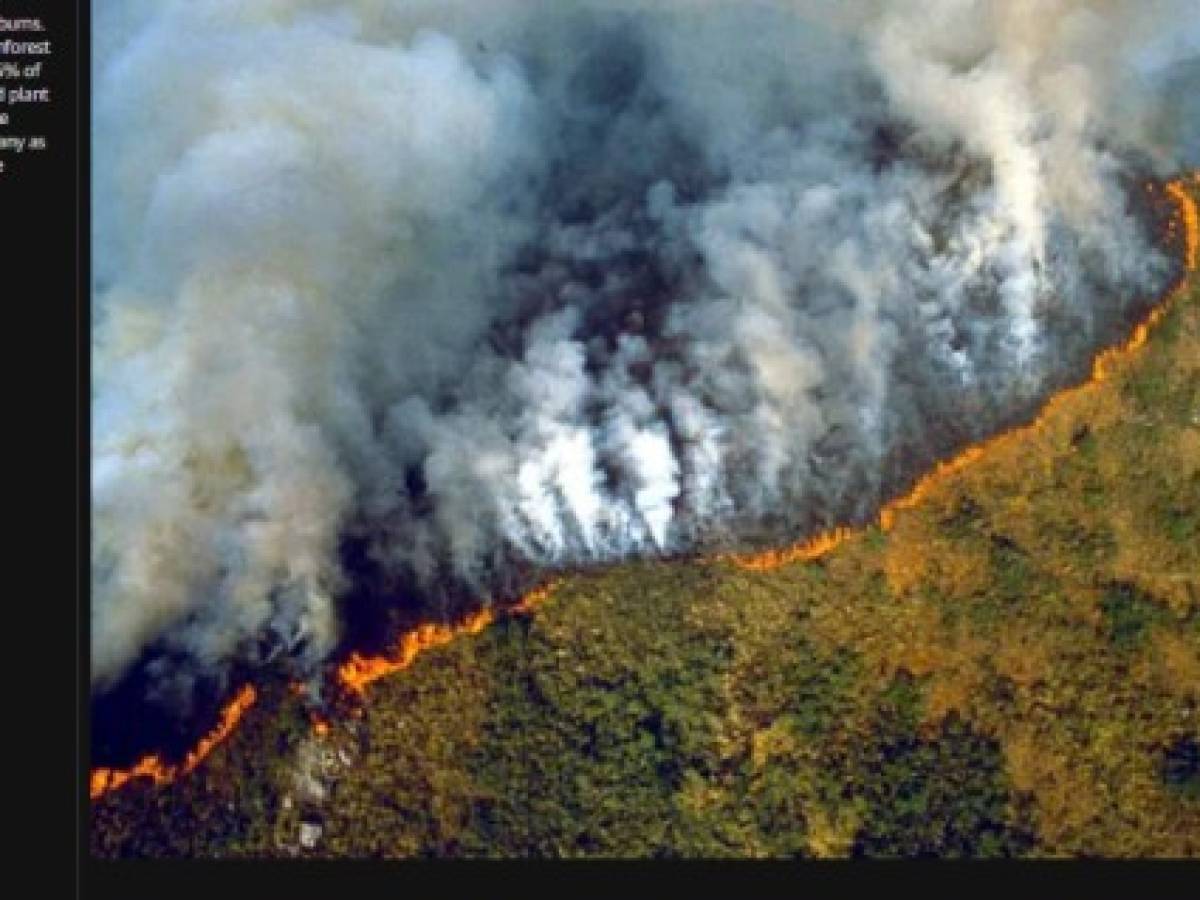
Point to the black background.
(40, 291)
(42, 267)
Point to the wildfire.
(1106, 362)
(153, 767)
(358, 671)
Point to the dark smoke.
(478, 290)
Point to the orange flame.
(1103, 367)
(1190, 215)
(320, 725)
(153, 767)
(358, 671)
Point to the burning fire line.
(1105, 364)
(358, 671)
(152, 765)
(354, 674)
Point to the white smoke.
(489, 288)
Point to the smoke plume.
(486, 289)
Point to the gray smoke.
(491, 288)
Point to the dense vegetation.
(1013, 669)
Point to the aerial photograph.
(642, 429)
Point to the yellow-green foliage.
(1013, 669)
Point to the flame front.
(1186, 216)
(153, 767)
(1190, 216)
(358, 671)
